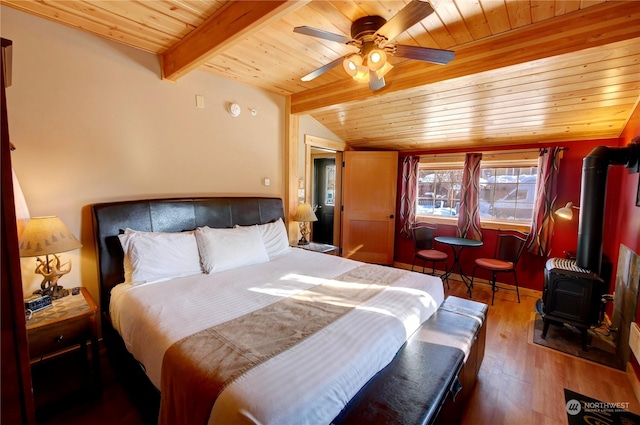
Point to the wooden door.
(369, 202)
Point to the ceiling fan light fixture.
(376, 59)
(383, 71)
(362, 75)
(351, 64)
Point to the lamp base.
(54, 291)
(303, 241)
(51, 270)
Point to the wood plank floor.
(519, 383)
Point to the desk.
(457, 245)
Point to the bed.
(267, 333)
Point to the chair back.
(423, 235)
(510, 246)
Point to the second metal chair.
(509, 248)
(424, 248)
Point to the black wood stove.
(571, 295)
(574, 289)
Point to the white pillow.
(274, 236)
(225, 249)
(155, 256)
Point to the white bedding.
(311, 382)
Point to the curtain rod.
(496, 153)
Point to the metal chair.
(424, 248)
(508, 250)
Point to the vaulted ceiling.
(525, 71)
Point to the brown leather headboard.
(167, 215)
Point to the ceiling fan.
(372, 36)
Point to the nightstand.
(70, 322)
(320, 247)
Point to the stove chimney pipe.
(595, 168)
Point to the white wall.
(93, 122)
(310, 126)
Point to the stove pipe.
(595, 168)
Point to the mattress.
(307, 384)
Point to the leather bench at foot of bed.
(431, 378)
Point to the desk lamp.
(566, 212)
(48, 236)
(304, 214)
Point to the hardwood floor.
(519, 383)
(522, 383)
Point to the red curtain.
(469, 211)
(408, 194)
(543, 222)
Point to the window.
(507, 187)
(439, 191)
(507, 193)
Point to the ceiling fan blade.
(375, 82)
(318, 72)
(407, 17)
(326, 35)
(426, 54)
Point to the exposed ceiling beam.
(220, 31)
(591, 27)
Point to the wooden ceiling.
(525, 71)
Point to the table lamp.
(304, 214)
(48, 236)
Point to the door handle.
(391, 216)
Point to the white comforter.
(311, 382)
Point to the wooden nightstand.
(320, 247)
(70, 322)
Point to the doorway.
(323, 188)
(324, 197)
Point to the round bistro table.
(457, 245)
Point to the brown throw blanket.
(197, 368)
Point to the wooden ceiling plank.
(519, 13)
(180, 11)
(472, 111)
(71, 18)
(198, 7)
(474, 18)
(231, 23)
(497, 16)
(453, 21)
(438, 31)
(450, 99)
(542, 10)
(492, 108)
(94, 11)
(612, 21)
(143, 16)
(566, 6)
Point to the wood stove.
(571, 295)
(573, 289)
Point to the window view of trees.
(439, 192)
(505, 193)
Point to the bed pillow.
(225, 249)
(155, 256)
(274, 236)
